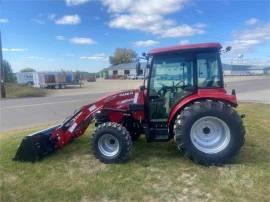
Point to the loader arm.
(76, 125)
(37, 145)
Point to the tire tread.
(202, 107)
(123, 134)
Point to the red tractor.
(184, 99)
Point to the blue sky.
(82, 34)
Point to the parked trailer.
(48, 79)
(27, 78)
(59, 79)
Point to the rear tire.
(209, 132)
(111, 143)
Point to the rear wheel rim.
(108, 145)
(210, 134)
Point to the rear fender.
(202, 94)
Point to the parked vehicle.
(140, 77)
(27, 78)
(134, 77)
(91, 79)
(131, 77)
(49, 79)
(195, 110)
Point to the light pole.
(2, 75)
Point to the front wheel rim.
(108, 145)
(210, 134)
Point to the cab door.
(171, 79)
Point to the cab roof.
(189, 47)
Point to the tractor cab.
(178, 73)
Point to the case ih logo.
(126, 93)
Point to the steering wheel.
(177, 85)
(173, 88)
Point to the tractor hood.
(122, 99)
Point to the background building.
(124, 70)
(245, 70)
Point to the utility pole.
(2, 73)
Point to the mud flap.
(35, 146)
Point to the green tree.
(28, 69)
(8, 74)
(122, 55)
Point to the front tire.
(209, 132)
(111, 143)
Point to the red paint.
(185, 48)
(121, 101)
(117, 101)
(214, 94)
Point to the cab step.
(159, 134)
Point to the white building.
(124, 70)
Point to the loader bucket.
(34, 146)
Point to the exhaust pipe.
(35, 146)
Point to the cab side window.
(209, 74)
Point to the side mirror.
(228, 48)
(145, 56)
(142, 88)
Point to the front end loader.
(184, 99)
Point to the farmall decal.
(126, 93)
(92, 108)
